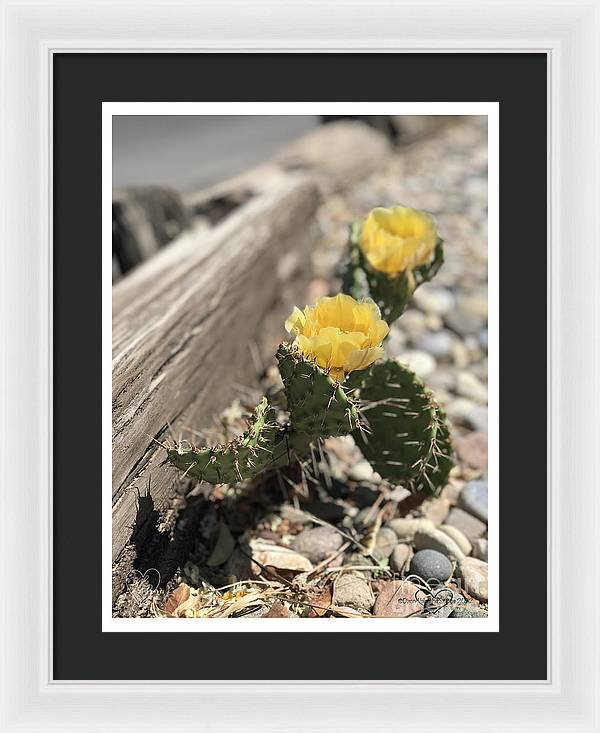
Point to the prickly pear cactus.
(262, 446)
(391, 293)
(318, 406)
(406, 439)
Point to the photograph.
(299, 369)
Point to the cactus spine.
(394, 419)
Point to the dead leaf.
(277, 610)
(177, 597)
(320, 603)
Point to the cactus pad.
(406, 440)
(318, 406)
(262, 446)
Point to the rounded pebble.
(431, 565)
(474, 499)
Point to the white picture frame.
(569, 33)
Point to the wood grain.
(183, 323)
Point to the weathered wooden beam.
(183, 324)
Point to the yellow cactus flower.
(340, 334)
(398, 239)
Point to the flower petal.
(362, 358)
(296, 322)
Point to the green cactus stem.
(406, 440)
(262, 446)
(319, 407)
(390, 293)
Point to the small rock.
(432, 299)
(317, 544)
(443, 379)
(385, 542)
(474, 499)
(293, 515)
(464, 323)
(437, 510)
(475, 577)
(439, 344)
(405, 527)
(455, 534)
(366, 517)
(396, 342)
(352, 591)
(435, 539)
(480, 549)
(469, 386)
(413, 324)
(397, 598)
(431, 565)
(281, 558)
(470, 526)
(442, 602)
(462, 411)
(483, 338)
(468, 610)
(355, 559)
(400, 557)
(422, 363)
(399, 494)
(460, 355)
(361, 471)
(452, 490)
(473, 450)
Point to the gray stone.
(443, 379)
(431, 566)
(413, 324)
(437, 510)
(439, 344)
(483, 338)
(352, 591)
(405, 527)
(396, 342)
(467, 385)
(472, 450)
(385, 541)
(468, 610)
(474, 574)
(474, 499)
(400, 557)
(435, 539)
(463, 322)
(463, 411)
(480, 549)
(432, 299)
(470, 526)
(422, 363)
(317, 544)
(455, 534)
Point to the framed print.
(299, 377)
